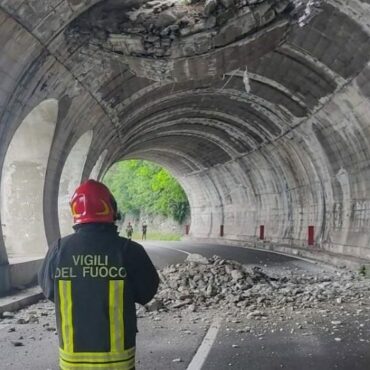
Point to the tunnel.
(260, 109)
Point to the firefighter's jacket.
(95, 277)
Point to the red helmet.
(93, 202)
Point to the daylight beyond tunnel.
(260, 112)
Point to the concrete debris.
(305, 10)
(255, 314)
(227, 3)
(336, 322)
(153, 305)
(177, 360)
(202, 282)
(209, 7)
(197, 258)
(8, 315)
(33, 319)
(23, 321)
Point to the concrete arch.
(71, 177)
(163, 156)
(298, 138)
(22, 182)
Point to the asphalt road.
(164, 253)
(283, 340)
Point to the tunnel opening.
(148, 194)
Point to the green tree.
(142, 186)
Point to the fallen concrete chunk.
(23, 321)
(255, 314)
(8, 315)
(336, 322)
(209, 7)
(236, 275)
(197, 258)
(154, 305)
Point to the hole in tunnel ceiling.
(164, 40)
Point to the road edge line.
(174, 249)
(206, 345)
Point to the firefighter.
(144, 229)
(129, 230)
(94, 277)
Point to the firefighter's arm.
(47, 271)
(144, 276)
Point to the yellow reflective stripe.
(116, 320)
(65, 298)
(112, 324)
(62, 311)
(97, 356)
(126, 365)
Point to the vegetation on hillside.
(144, 187)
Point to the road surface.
(294, 340)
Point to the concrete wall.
(5, 286)
(23, 274)
(317, 175)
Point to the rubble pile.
(199, 283)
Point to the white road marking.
(173, 249)
(203, 350)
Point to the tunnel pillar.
(4, 271)
(4, 279)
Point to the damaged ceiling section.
(181, 40)
(259, 108)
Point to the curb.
(20, 300)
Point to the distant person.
(95, 277)
(145, 227)
(129, 230)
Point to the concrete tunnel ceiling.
(259, 108)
